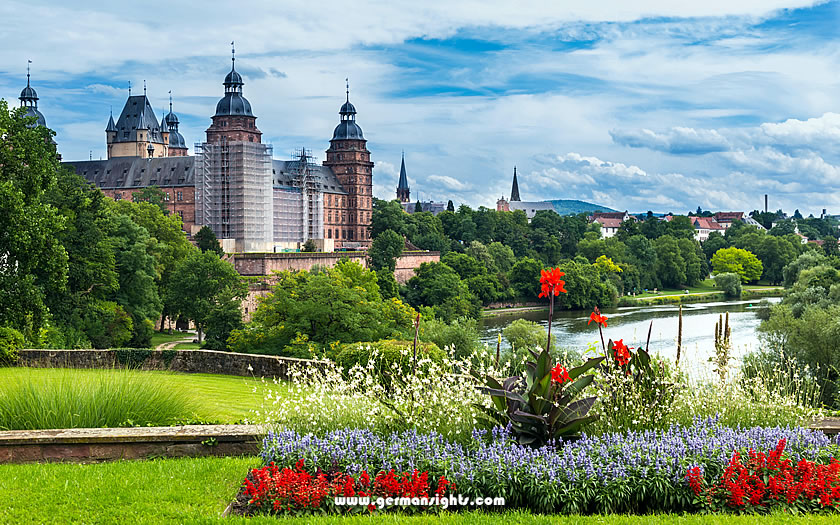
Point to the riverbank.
(650, 300)
(699, 297)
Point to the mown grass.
(197, 490)
(188, 346)
(33, 398)
(165, 337)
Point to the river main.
(631, 324)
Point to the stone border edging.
(186, 361)
(102, 444)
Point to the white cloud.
(447, 182)
(678, 140)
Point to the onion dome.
(29, 100)
(347, 128)
(233, 103)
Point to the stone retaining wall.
(188, 361)
(103, 444)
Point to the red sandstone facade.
(349, 159)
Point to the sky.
(645, 105)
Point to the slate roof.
(137, 172)
(138, 114)
(283, 172)
(608, 223)
(403, 184)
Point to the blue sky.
(633, 105)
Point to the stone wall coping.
(305, 255)
(194, 350)
(182, 433)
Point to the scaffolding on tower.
(304, 174)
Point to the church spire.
(514, 191)
(402, 188)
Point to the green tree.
(502, 255)
(523, 335)
(627, 229)
(136, 274)
(223, 318)
(479, 252)
(203, 282)
(387, 215)
(385, 250)
(438, 286)
(586, 287)
(680, 227)
(525, 278)
(775, 253)
(693, 257)
(670, 265)
(713, 243)
(642, 254)
(33, 263)
(729, 284)
(738, 261)
(450, 206)
(153, 195)
(338, 305)
(464, 265)
(206, 240)
(309, 246)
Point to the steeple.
(402, 188)
(514, 191)
(111, 126)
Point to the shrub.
(729, 283)
(389, 354)
(65, 398)
(10, 342)
(462, 335)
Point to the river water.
(631, 324)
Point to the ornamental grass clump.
(32, 400)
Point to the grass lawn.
(187, 346)
(164, 337)
(707, 286)
(197, 490)
(224, 399)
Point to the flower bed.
(622, 472)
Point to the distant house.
(609, 221)
(726, 218)
(703, 226)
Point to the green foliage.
(10, 342)
(738, 261)
(384, 251)
(34, 261)
(132, 357)
(730, 283)
(391, 354)
(107, 325)
(153, 195)
(525, 278)
(587, 288)
(461, 335)
(206, 241)
(222, 319)
(136, 269)
(309, 246)
(538, 408)
(502, 255)
(341, 304)
(67, 398)
(167, 355)
(670, 266)
(203, 285)
(524, 337)
(438, 286)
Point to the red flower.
(598, 318)
(560, 375)
(551, 282)
(621, 352)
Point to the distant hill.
(573, 207)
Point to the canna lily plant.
(542, 404)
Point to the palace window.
(180, 196)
